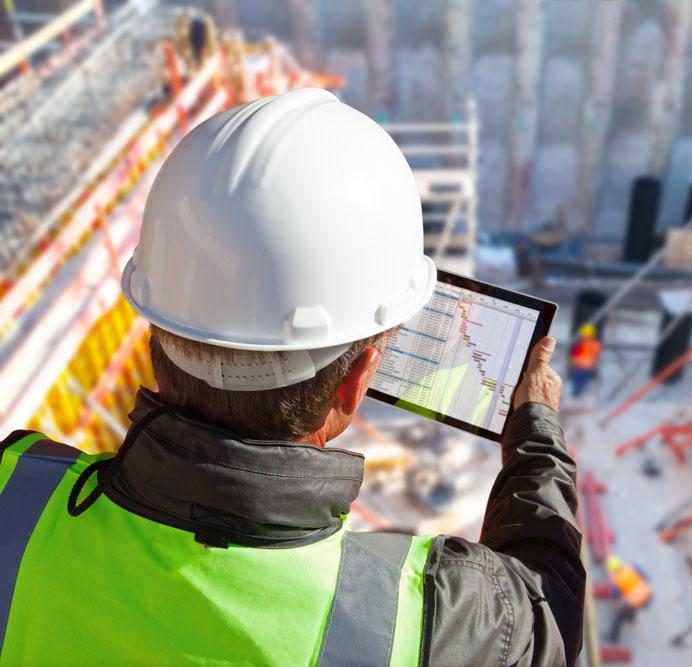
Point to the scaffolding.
(444, 159)
(49, 145)
(75, 351)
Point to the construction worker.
(282, 242)
(632, 591)
(583, 359)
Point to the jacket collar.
(224, 488)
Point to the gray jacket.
(517, 597)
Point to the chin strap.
(107, 468)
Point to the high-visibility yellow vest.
(113, 588)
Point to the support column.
(306, 37)
(226, 12)
(457, 54)
(596, 111)
(666, 102)
(524, 123)
(381, 57)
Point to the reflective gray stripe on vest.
(21, 503)
(361, 625)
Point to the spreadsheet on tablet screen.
(461, 356)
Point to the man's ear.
(353, 387)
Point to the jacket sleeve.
(517, 598)
(531, 518)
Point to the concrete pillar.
(306, 37)
(456, 54)
(597, 108)
(666, 102)
(380, 55)
(524, 121)
(227, 14)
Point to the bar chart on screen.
(460, 356)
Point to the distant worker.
(583, 359)
(281, 244)
(198, 37)
(632, 592)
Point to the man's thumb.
(542, 352)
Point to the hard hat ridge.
(259, 128)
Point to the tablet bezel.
(546, 314)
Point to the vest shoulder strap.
(31, 448)
(361, 625)
(31, 468)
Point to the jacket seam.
(249, 470)
(508, 605)
(510, 612)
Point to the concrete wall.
(576, 97)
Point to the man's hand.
(540, 382)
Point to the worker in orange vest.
(632, 590)
(583, 359)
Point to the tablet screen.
(460, 356)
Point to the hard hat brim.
(424, 290)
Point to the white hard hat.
(292, 223)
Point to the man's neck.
(333, 425)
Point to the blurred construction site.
(552, 144)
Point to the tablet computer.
(458, 360)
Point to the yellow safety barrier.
(73, 408)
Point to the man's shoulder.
(30, 460)
(454, 560)
(16, 437)
(479, 610)
(35, 444)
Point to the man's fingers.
(542, 352)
